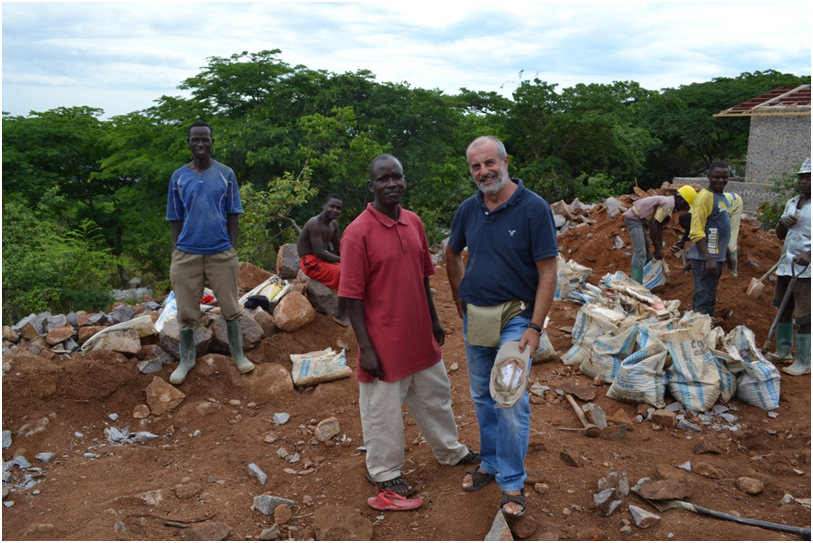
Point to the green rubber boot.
(244, 365)
(637, 275)
(802, 364)
(186, 347)
(784, 343)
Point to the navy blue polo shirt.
(504, 246)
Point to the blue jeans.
(504, 433)
(705, 287)
(640, 242)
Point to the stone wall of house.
(776, 144)
(752, 194)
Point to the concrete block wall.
(752, 194)
(776, 144)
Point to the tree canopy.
(294, 134)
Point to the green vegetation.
(84, 198)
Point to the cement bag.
(758, 382)
(608, 352)
(649, 333)
(569, 277)
(641, 378)
(656, 273)
(546, 351)
(698, 322)
(715, 338)
(319, 367)
(728, 378)
(692, 379)
(170, 310)
(142, 325)
(592, 321)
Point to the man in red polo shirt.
(385, 278)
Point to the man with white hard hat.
(794, 229)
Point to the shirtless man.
(318, 235)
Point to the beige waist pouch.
(485, 322)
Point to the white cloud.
(136, 52)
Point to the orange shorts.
(327, 273)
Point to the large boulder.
(323, 299)
(249, 276)
(293, 312)
(59, 334)
(120, 341)
(170, 335)
(252, 331)
(288, 261)
(122, 313)
(266, 383)
(55, 321)
(163, 397)
(264, 319)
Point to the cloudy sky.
(122, 56)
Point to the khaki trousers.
(429, 399)
(187, 274)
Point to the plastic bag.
(641, 379)
(319, 367)
(757, 379)
(170, 310)
(692, 379)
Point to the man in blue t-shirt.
(502, 294)
(203, 210)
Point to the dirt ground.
(209, 440)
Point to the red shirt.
(384, 263)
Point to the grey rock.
(596, 414)
(73, 319)
(539, 390)
(124, 437)
(170, 334)
(122, 313)
(151, 306)
(674, 407)
(619, 243)
(606, 502)
(20, 462)
(787, 499)
(266, 503)
(142, 437)
(270, 534)
(46, 457)
(615, 480)
(559, 220)
(719, 409)
(149, 366)
(323, 299)
(729, 418)
(70, 345)
(613, 206)
(281, 418)
(773, 414)
(687, 466)
(8, 503)
(688, 426)
(257, 473)
(113, 416)
(643, 518)
(97, 320)
(288, 261)
(499, 530)
(55, 321)
(638, 419)
(6, 439)
(252, 332)
(131, 294)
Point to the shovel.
(755, 288)
(767, 345)
(678, 504)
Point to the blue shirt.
(504, 246)
(202, 201)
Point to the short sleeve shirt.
(797, 239)
(659, 208)
(384, 263)
(711, 220)
(504, 246)
(203, 201)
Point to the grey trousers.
(188, 272)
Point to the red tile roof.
(787, 100)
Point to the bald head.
(374, 164)
(486, 140)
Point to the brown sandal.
(479, 479)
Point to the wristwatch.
(536, 327)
